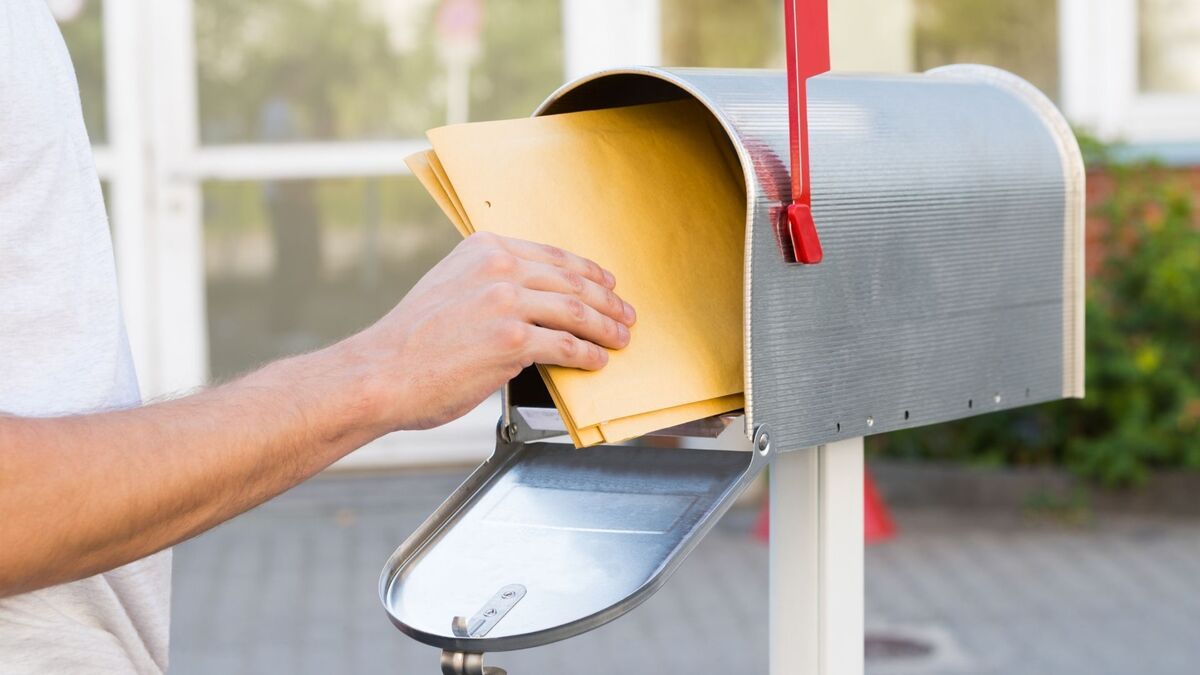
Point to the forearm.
(84, 494)
(81, 495)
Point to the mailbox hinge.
(471, 663)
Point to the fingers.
(560, 348)
(545, 277)
(548, 268)
(560, 307)
(568, 313)
(552, 255)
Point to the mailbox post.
(816, 597)
(815, 610)
(949, 207)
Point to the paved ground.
(290, 588)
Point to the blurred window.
(294, 265)
(1131, 73)
(280, 70)
(1017, 35)
(1169, 46)
(1020, 36)
(82, 26)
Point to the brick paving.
(290, 588)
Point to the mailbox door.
(544, 542)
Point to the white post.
(1098, 62)
(458, 91)
(154, 199)
(794, 570)
(872, 36)
(179, 308)
(816, 606)
(599, 34)
(126, 100)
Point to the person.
(95, 489)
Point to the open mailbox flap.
(544, 541)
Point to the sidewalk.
(290, 588)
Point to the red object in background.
(460, 20)
(762, 524)
(877, 521)
(807, 31)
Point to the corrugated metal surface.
(947, 212)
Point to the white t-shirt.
(63, 347)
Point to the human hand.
(492, 307)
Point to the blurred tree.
(1143, 391)
(1142, 409)
(332, 61)
(1017, 35)
(522, 60)
(745, 34)
(352, 70)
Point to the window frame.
(155, 164)
(1098, 47)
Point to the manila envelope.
(651, 193)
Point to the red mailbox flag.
(807, 27)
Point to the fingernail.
(609, 279)
(630, 315)
(622, 334)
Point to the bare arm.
(81, 495)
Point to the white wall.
(599, 34)
(871, 35)
(1098, 52)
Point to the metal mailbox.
(950, 206)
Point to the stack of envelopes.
(654, 194)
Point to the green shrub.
(1142, 409)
